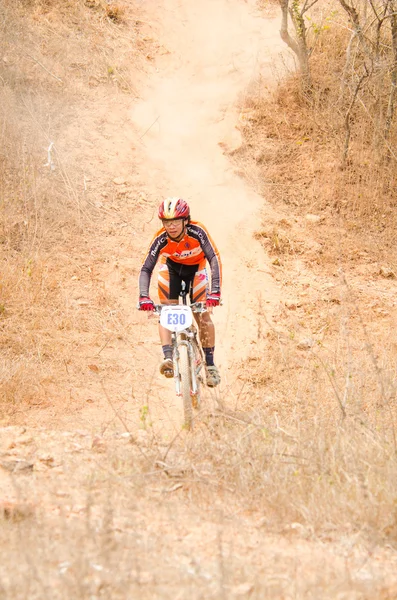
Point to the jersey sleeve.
(211, 253)
(156, 245)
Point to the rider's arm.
(211, 254)
(156, 245)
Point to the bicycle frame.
(187, 353)
(179, 320)
(188, 357)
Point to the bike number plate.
(176, 318)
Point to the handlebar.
(196, 307)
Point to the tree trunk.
(393, 74)
(298, 46)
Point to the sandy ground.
(187, 114)
(175, 134)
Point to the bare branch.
(307, 7)
(348, 115)
(393, 85)
(298, 46)
(351, 11)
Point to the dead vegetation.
(55, 57)
(303, 445)
(297, 140)
(130, 515)
(294, 151)
(330, 357)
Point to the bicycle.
(187, 354)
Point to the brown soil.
(99, 475)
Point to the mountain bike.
(187, 355)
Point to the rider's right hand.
(145, 303)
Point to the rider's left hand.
(213, 299)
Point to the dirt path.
(187, 116)
(181, 125)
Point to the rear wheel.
(184, 373)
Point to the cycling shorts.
(170, 279)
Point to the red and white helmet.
(174, 208)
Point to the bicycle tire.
(196, 398)
(184, 373)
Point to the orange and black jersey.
(194, 248)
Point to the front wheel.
(184, 373)
(197, 367)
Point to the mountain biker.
(183, 247)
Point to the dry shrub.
(317, 419)
(295, 140)
(66, 46)
(328, 477)
(279, 242)
(251, 489)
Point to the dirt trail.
(187, 115)
(185, 118)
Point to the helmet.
(174, 208)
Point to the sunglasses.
(168, 222)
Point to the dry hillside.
(286, 486)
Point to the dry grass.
(295, 142)
(320, 452)
(301, 463)
(330, 363)
(65, 53)
(220, 512)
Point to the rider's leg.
(165, 334)
(207, 338)
(167, 365)
(168, 291)
(204, 321)
(206, 328)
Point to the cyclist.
(183, 247)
